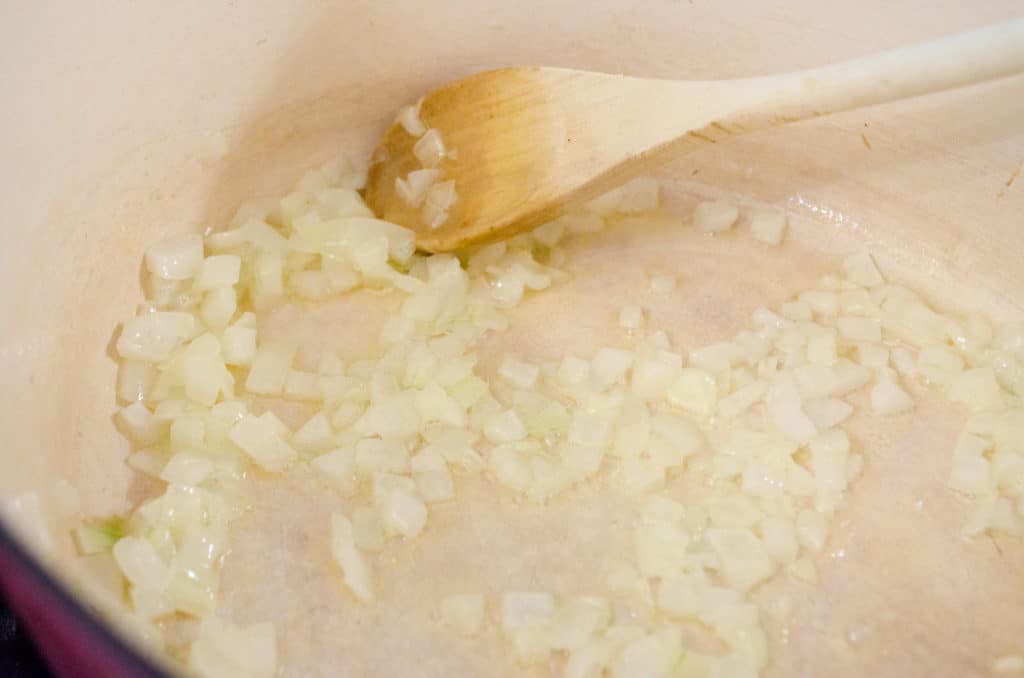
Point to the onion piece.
(1009, 664)
(768, 226)
(269, 371)
(505, 427)
(785, 410)
(526, 610)
(187, 469)
(260, 439)
(218, 271)
(340, 466)
(409, 118)
(141, 565)
(642, 194)
(861, 270)
(695, 391)
(374, 455)
(412, 190)
(519, 373)
(978, 389)
(631, 317)
(355, 570)
(651, 376)
(429, 150)
(821, 349)
(402, 511)
(577, 621)
(154, 336)
(99, 535)
(464, 613)
(860, 329)
(367, 530)
(714, 217)
(609, 366)
(178, 257)
(652, 656)
(315, 435)
(662, 284)
(888, 398)
(223, 650)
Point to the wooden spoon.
(523, 145)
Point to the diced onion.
(743, 559)
(810, 529)
(642, 194)
(714, 217)
(573, 372)
(519, 373)
(141, 564)
(768, 226)
(340, 466)
(609, 366)
(220, 270)
(367, 530)
(269, 371)
(970, 475)
(695, 391)
(631, 317)
(663, 284)
(186, 469)
(435, 485)
(395, 416)
(888, 398)
(357, 575)
(526, 610)
(822, 302)
(652, 656)
(861, 270)
(218, 307)
(978, 389)
(652, 376)
(402, 511)
(827, 412)
(412, 190)
(873, 356)
(153, 336)
(464, 613)
(260, 439)
(314, 435)
(821, 349)
(223, 650)
(139, 423)
(1008, 664)
(375, 455)
(859, 329)
(409, 119)
(178, 257)
(505, 427)
(99, 536)
(429, 150)
(438, 201)
(785, 409)
(753, 425)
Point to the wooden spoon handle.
(971, 57)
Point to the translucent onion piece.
(178, 257)
(768, 226)
(713, 217)
(223, 650)
(464, 613)
(355, 570)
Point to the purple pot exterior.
(74, 643)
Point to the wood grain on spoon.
(527, 144)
